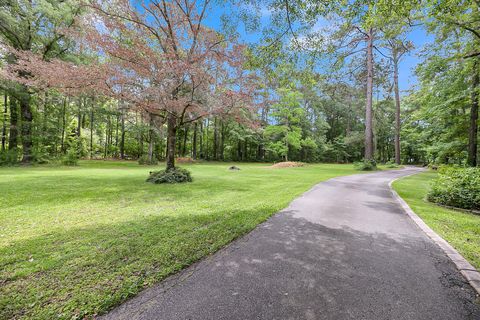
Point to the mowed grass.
(460, 229)
(76, 241)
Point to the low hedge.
(457, 187)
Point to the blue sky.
(420, 39)
(407, 79)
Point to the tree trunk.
(140, 135)
(473, 131)
(368, 110)
(27, 119)
(201, 139)
(245, 150)
(259, 151)
(46, 136)
(222, 145)
(207, 126)
(91, 132)
(286, 153)
(184, 150)
(79, 118)
(122, 136)
(194, 142)
(106, 142)
(117, 124)
(4, 121)
(239, 150)
(151, 138)
(348, 118)
(171, 136)
(64, 110)
(261, 147)
(397, 106)
(215, 139)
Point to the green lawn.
(76, 241)
(460, 229)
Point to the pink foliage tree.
(157, 56)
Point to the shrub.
(365, 165)
(9, 157)
(41, 156)
(391, 164)
(143, 160)
(457, 187)
(175, 175)
(71, 158)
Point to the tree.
(286, 133)
(459, 22)
(397, 46)
(33, 26)
(157, 56)
(436, 117)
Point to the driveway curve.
(343, 250)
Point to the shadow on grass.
(85, 271)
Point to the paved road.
(344, 250)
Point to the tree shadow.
(83, 271)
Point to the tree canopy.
(157, 79)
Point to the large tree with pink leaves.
(157, 56)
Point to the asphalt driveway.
(343, 250)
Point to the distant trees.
(31, 26)
(113, 79)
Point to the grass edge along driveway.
(460, 229)
(75, 242)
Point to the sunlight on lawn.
(77, 241)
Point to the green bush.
(143, 160)
(391, 164)
(71, 158)
(365, 165)
(41, 156)
(9, 157)
(457, 187)
(175, 175)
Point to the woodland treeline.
(315, 93)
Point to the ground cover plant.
(76, 241)
(461, 229)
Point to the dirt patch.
(184, 160)
(288, 164)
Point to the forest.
(321, 84)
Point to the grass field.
(460, 229)
(76, 241)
